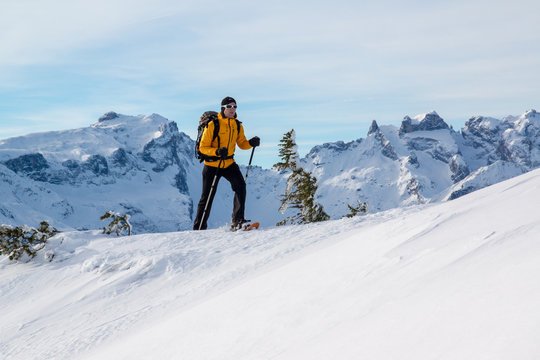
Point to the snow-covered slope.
(145, 167)
(451, 280)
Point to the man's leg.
(235, 177)
(208, 174)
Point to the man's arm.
(242, 142)
(205, 145)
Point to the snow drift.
(451, 280)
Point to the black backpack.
(206, 117)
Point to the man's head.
(228, 107)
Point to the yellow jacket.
(229, 135)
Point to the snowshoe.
(244, 225)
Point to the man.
(231, 133)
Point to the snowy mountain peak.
(131, 132)
(482, 124)
(531, 114)
(530, 117)
(113, 119)
(108, 116)
(422, 117)
(423, 122)
(373, 128)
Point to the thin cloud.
(333, 64)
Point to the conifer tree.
(301, 186)
(288, 152)
(15, 242)
(118, 223)
(361, 208)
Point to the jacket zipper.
(230, 136)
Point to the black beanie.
(227, 100)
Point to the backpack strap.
(216, 131)
(238, 122)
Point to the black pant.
(234, 176)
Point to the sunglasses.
(229, 106)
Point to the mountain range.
(146, 167)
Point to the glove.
(255, 141)
(222, 152)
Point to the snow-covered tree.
(18, 241)
(300, 194)
(360, 208)
(118, 223)
(288, 152)
(301, 186)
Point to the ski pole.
(210, 194)
(250, 158)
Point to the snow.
(415, 120)
(489, 123)
(145, 167)
(129, 132)
(451, 280)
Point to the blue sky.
(324, 68)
